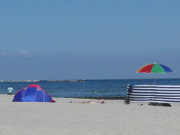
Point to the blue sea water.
(89, 88)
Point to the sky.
(87, 39)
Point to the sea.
(107, 88)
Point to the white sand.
(64, 118)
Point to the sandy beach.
(64, 118)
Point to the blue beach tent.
(32, 93)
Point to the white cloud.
(23, 53)
(5, 54)
(17, 54)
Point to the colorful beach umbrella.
(155, 68)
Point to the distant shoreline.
(42, 80)
(81, 80)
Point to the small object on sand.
(160, 104)
(101, 101)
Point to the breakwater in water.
(42, 80)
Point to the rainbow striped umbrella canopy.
(155, 68)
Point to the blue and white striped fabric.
(154, 93)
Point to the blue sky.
(87, 39)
